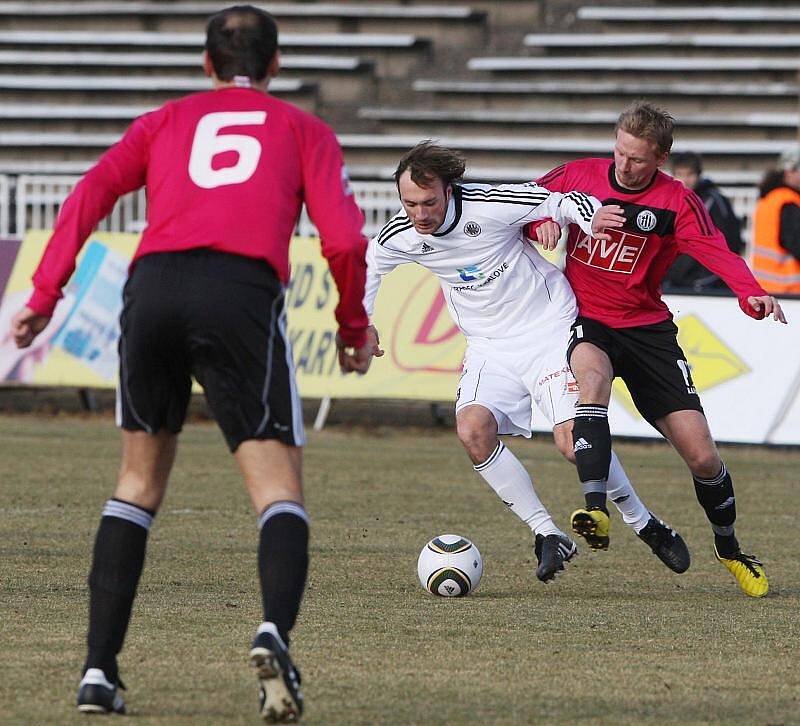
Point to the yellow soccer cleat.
(592, 525)
(748, 571)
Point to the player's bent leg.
(688, 432)
(118, 560)
(504, 473)
(272, 472)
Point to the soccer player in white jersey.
(515, 310)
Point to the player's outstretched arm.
(767, 305)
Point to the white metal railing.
(39, 197)
(5, 206)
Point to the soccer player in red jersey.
(226, 173)
(625, 329)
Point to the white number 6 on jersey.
(208, 142)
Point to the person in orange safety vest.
(776, 229)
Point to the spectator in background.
(776, 228)
(686, 272)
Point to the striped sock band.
(499, 449)
(282, 508)
(129, 512)
(718, 479)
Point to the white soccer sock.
(621, 492)
(505, 474)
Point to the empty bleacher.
(518, 85)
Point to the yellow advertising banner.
(423, 347)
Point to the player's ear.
(274, 66)
(208, 66)
(663, 159)
(448, 192)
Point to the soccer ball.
(450, 566)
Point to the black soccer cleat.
(553, 551)
(280, 699)
(666, 544)
(96, 694)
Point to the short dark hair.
(241, 41)
(428, 161)
(645, 121)
(688, 159)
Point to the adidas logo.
(727, 503)
(450, 589)
(508, 504)
(426, 248)
(581, 444)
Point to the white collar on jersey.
(449, 215)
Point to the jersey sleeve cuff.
(353, 338)
(43, 303)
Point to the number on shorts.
(208, 142)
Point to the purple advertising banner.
(8, 253)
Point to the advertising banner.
(747, 372)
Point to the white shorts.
(512, 377)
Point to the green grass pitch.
(617, 639)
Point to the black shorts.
(217, 317)
(649, 360)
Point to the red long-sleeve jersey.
(618, 282)
(227, 170)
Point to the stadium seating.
(388, 73)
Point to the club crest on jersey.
(468, 274)
(472, 229)
(646, 220)
(618, 254)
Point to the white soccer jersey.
(496, 285)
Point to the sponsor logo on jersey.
(491, 277)
(425, 248)
(618, 254)
(470, 273)
(646, 220)
(472, 229)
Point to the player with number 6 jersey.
(226, 170)
(226, 174)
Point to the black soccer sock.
(283, 563)
(591, 438)
(716, 497)
(116, 567)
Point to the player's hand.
(26, 325)
(609, 216)
(547, 234)
(358, 360)
(767, 305)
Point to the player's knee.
(704, 463)
(476, 431)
